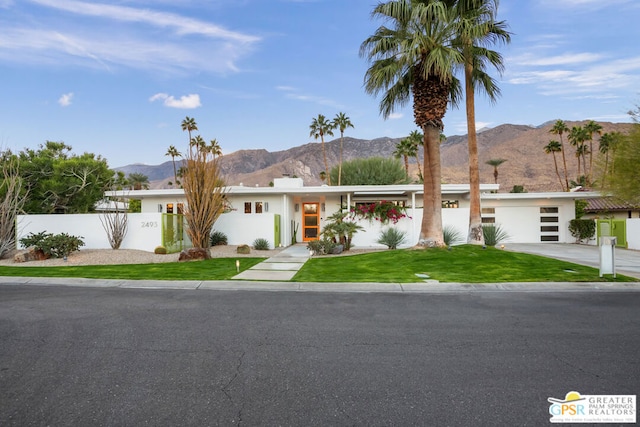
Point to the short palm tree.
(342, 122)
(404, 150)
(559, 128)
(417, 139)
(608, 143)
(320, 127)
(189, 124)
(413, 58)
(214, 148)
(138, 181)
(173, 152)
(495, 163)
(577, 137)
(554, 147)
(591, 128)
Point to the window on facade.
(180, 208)
(259, 207)
(488, 220)
(553, 238)
(247, 207)
(450, 204)
(549, 219)
(549, 210)
(169, 208)
(488, 210)
(548, 228)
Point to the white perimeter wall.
(633, 233)
(143, 231)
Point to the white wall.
(243, 229)
(633, 233)
(143, 231)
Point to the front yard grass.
(465, 263)
(212, 269)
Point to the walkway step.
(280, 267)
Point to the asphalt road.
(131, 357)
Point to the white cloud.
(65, 99)
(190, 101)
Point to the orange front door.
(310, 221)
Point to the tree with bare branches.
(12, 200)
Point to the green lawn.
(466, 263)
(213, 269)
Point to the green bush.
(582, 229)
(392, 237)
(451, 235)
(322, 247)
(218, 238)
(493, 234)
(56, 246)
(160, 250)
(261, 244)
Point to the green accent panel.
(613, 227)
(276, 231)
(174, 237)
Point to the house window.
(489, 211)
(549, 224)
(548, 219)
(551, 238)
(450, 204)
(488, 220)
(247, 207)
(258, 207)
(169, 208)
(548, 228)
(544, 210)
(180, 208)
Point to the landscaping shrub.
(322, 247)
(218, 238)
(451, 236)
(493, 234)
(582, 229)
(160, 250)
(261, 244)
(392, 237)
(56, 246)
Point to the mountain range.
(520, 146)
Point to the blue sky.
(117, 77)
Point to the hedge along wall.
(144, 231)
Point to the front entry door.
(310, 221)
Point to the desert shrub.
(56, 246)
(218, 238)
(261, 244)
(493, 234)
(161, 250)
(451, 235)
(392, 237)
(322, 247)
(582, 229)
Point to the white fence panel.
(633, 233)
(243, 229)
(143, 230)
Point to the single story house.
(288, 212)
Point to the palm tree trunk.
(431, 230)
(564, 161)
(340, 163)
(175, 173)
(555, 162)
(475, 235)
(326, 165)
(406, 164)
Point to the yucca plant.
(218, 238)
(261, 244)
(451, 235)
(392, 237)
(494, 234)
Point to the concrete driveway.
(627, 261)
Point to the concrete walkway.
(281, 267)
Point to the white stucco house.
(288, 212)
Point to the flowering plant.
(383, 211)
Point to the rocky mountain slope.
(522, 146)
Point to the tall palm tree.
(404, 150)
(214, 148)
(173, 152)
(320, 127)
(591, 128)
(495, 163)
(342, 122)
(478, 30)
(189, 124)
(413, 57)
(559, 128)
(608, 143)
(554, 147)
(577, 137)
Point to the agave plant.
(494, 234)
(451, 235)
